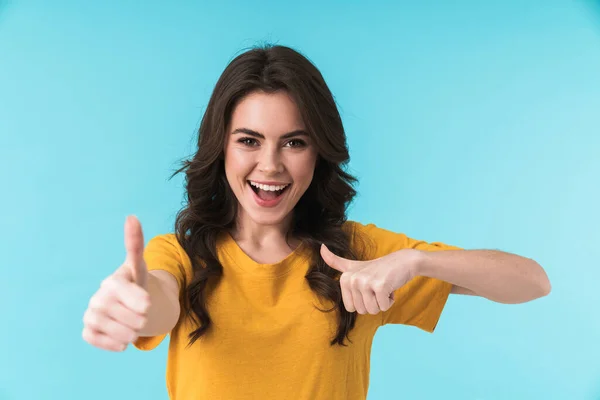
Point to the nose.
(270, 162)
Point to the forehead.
(267, 113)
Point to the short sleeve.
(164, 253)
(421, 301)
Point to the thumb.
(134, 246)
(335, 262)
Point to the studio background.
(472, 123)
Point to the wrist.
(420, 263)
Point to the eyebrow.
(298, 132)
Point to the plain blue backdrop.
(472, 123)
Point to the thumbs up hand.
(135, 266)
(118, 310)
(368, 286)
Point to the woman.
(265, 288)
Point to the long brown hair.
(320, 213)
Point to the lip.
(266, 203)
(270, 183)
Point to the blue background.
(473, 123)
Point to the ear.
(339, 263)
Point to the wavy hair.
(211, 205)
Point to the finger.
(335, 262)
(385, 298)
(101, 340)
(127, 293)
(125, 272)
(99, 322)
(370, 301)
(134, 245)
(347, 292)
(357, 297)
(126, 317)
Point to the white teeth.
(269, 188)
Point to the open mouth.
(268, 192)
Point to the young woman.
(266, 289)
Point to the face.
(269, 158)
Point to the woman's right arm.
(164, 309)
(131, 302)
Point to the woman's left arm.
(369, 286)
(496, 275)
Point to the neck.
(262, 235)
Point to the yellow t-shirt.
(268, 340)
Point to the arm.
(496, 275)
(164, 309)
(131, 302)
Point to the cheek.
(303, 169)
(236, 165)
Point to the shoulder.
(371, 241)
(166, 243)
(164, 252)
(369, 230)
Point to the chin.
(263, 218)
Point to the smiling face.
(269, 157)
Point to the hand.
(368, 286)
(118, 310)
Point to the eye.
(296, 143)
(248, 141)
